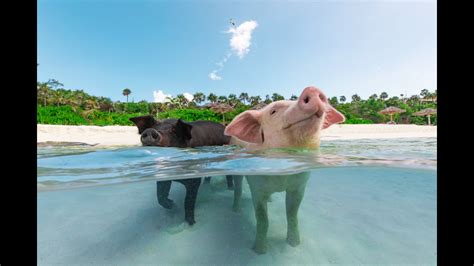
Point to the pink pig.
(281, 124)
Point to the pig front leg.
(260, 199)
(162, 192)
(230, 182)
(237, 192)
(294, 196)
(192, 187)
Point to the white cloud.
(241, 37)
(214, 76)
(160, 97)
(188, 96)
(239, 44)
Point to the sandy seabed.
(128, 135)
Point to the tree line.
(53, 97)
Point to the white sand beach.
(128, 135)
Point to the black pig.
(178, 133)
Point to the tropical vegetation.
(57, 105)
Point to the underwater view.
(366, 201)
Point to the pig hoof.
(236, 208)
(166, 203)
(190, 221)
(260, 249)
(293, 240)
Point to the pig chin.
(310, 123)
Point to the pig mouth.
(317, 114)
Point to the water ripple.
(70, 167)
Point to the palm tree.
(267, 99)
(293, 97)
(244, 97)
(333, 101)
(222, 99)
(373, 96)
(58, 97)
(212, 98)
(342, 99)
(383, 95)
(424, 93)
(174, 101)
(277, 97)
(254, 100)
(126, 92)
(355, 98)
(54, 83)
(43, 89)
(182, 100)
(232, 99)
(199, 97)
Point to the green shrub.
(191, 115)
(59, 115)
(105, 118)
(65, 115)
(356, 120)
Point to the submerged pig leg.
(192, 187)
(230, 182)
(260, 199)
(294, 196)
(237, 192)
(162, 192)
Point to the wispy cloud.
(239, 43)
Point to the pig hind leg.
(293, 201)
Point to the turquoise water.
(366, 202)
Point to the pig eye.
(274, 111)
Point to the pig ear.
(183, 129)
(143, 122)
(333, 116)
(246, 127)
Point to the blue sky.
(342, 47)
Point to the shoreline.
(105, 136)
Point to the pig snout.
(312, 101)
(150, 137)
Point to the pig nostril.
(306, 99)
(144, 135)
(154, 135)
(322, 97)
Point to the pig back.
(208, 133)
